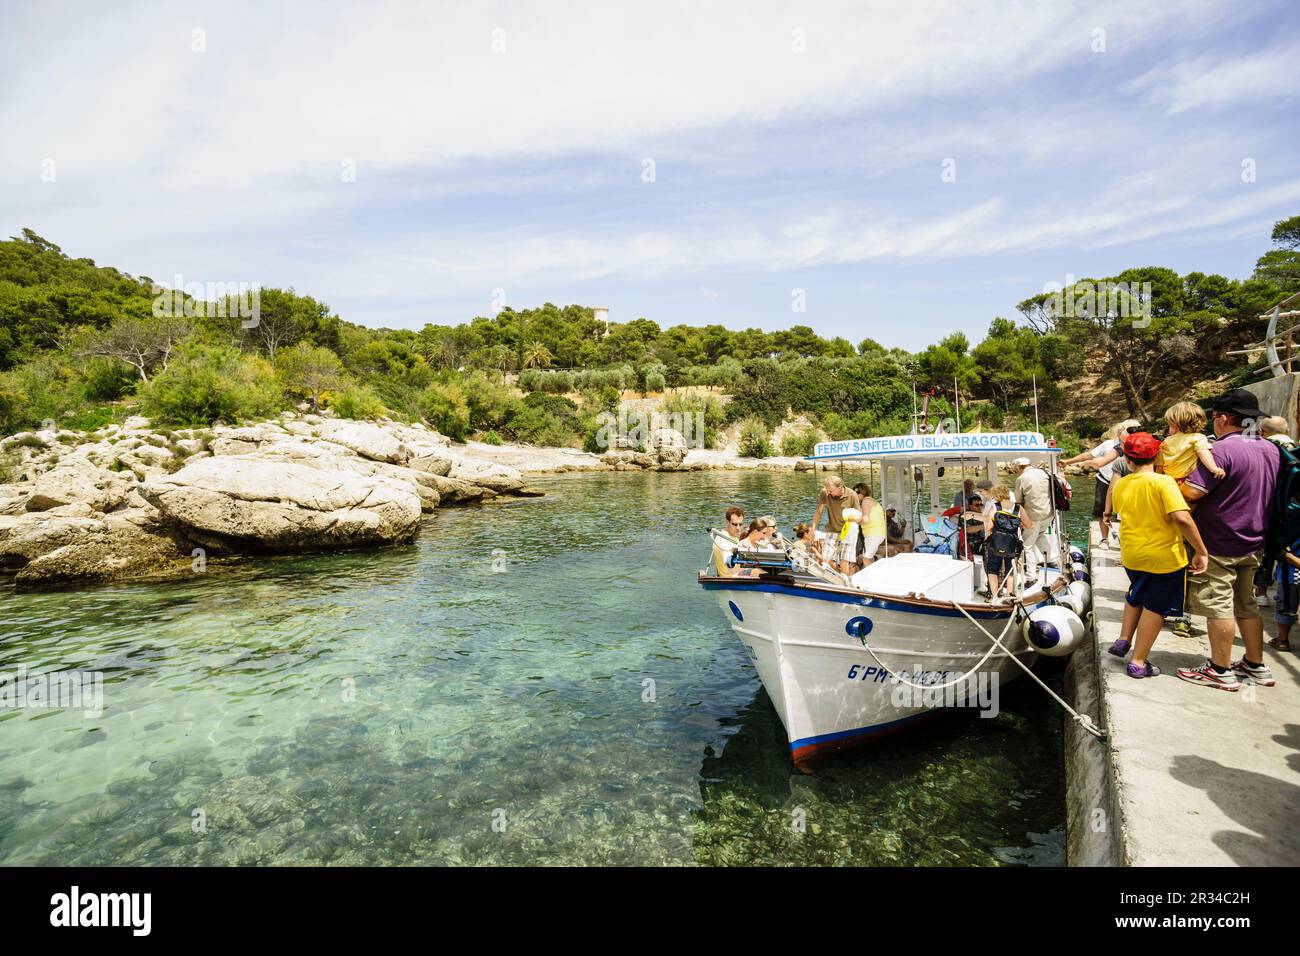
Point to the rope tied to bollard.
(1083, 720)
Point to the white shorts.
(871, 545)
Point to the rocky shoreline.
(132, 501)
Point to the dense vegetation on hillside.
(82, 344)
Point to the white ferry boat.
(832, 651)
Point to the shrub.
(655, 382)
(104, 380)
(799, 444)
(446, 409)
(357, 402)
(547, 420)
(685, 405)
(600, 398)
(491, 438)
(209, 383)
(754, 440)
(491, 403)
(44, 388)
(95, 418)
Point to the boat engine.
(1054, 630)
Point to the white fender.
(1053, 630)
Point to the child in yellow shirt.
(1186, 444)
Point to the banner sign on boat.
(974, 443)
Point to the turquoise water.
(573, 699)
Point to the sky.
(897, 171)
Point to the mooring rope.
(1083, 720)
(902, 680)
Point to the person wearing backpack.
(1002, 544)
(1034, 492)
(1234, 515)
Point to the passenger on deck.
(806, 541)
(896, 529)
(962, 498)
(1002, 543)
(1034, 491)
(970, 522)
(834, 498)
(757, 538)
(734, 528)
(874, 528)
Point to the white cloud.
(226, 164)
(1258, 77)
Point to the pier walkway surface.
(1196, 776)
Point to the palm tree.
(537, 355)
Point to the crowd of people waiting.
(1194, 515)
(1212, 499)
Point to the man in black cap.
(1232, 515)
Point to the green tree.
(1281, 266)
(309, 372)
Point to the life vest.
(1005, 540)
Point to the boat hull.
(813, 650)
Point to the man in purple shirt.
(1232, 514)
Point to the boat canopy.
(938, 448)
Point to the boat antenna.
(913, 406)
(1035, 401)
(956, 400)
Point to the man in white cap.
(1034, 492)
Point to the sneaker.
(1143, 670)
(1181, 628)
(1205, 674)
(1259, 673)
(1119, 648)
(1261, 600)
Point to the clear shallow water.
(415, 705)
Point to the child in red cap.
(1155, 519)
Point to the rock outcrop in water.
(131, 501)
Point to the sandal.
(1279, 645)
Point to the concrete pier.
(1188, 775)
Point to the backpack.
(1060, 493)
(1005, 540)
(1284, 521)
